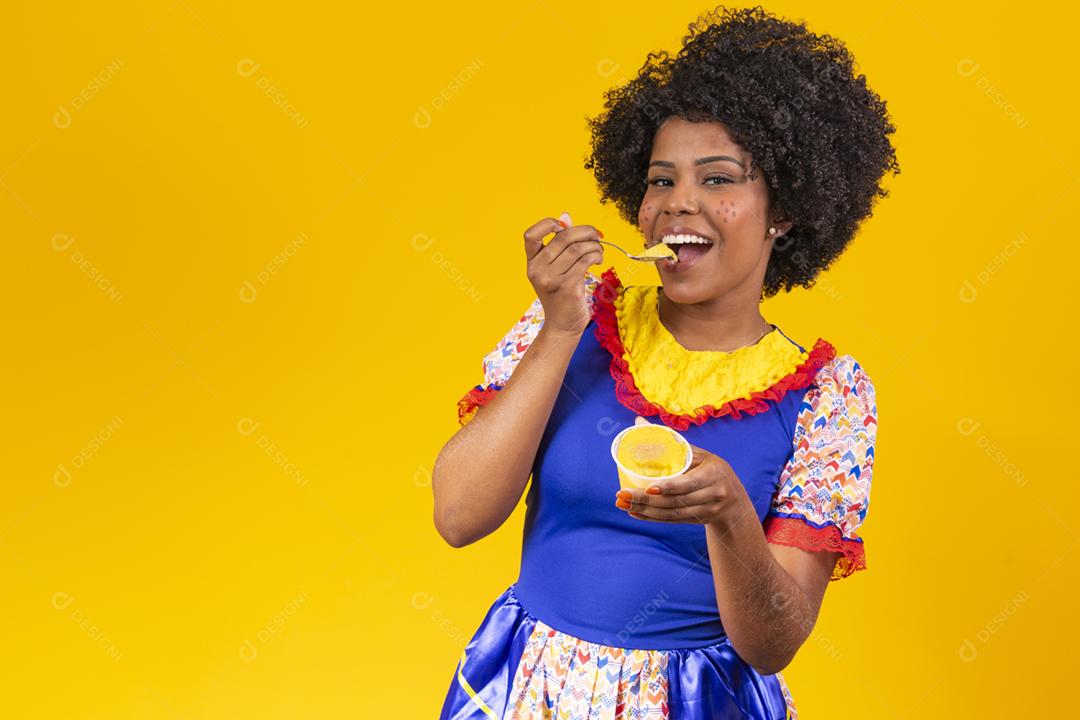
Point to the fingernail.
(653, 490)
(624, 495)
(622, 504)
(600, 233)
(565, 219)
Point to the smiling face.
(700, 180)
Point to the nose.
(681, 199)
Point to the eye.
(724, 180)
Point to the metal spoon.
(565, 217)
(643, 258)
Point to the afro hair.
(790, 98)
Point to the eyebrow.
(699, 161)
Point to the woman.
(755, 153)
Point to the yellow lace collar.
(656, 375)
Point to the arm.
(481, 472)
(811, 527)
(768, 595)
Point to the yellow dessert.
(651, 450)
(662, 250)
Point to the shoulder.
(533, 318)
(841, 400)
(823, 492)
(500, 362)
(844, 375)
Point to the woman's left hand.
(704, 494)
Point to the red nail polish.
(653, 490)
(600, 233)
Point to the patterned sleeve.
(499, 364)
(824, 489)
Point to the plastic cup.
(630, 479)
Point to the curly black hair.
(790, 98)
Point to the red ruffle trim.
(626, 390)
(473, 399)
(798, 533)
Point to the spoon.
(565, 217)
(643, 258)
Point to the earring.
(772, 231)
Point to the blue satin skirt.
(516, 666)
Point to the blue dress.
(616, 617)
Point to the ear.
(782, 226)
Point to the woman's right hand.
(557, 271)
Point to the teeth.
(682, 239)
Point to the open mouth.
(688, 248)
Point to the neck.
(719, 324)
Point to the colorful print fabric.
(500, 362)
(824, 490)
(563, 677)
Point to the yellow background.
(254, 255)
